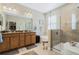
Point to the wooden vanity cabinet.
(17, 40)
(22, 39)
(14, 40)
(5, 45)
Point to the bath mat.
(30, 47)
(30, 53)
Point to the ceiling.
(43, 7)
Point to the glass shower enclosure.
(64, 34)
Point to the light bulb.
(9, 8)
(4, 7)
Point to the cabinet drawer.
(27, 40)
(33, 39)
(32, 33)
(14, 42)
(6, 35)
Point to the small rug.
(30, 53)
(30, 47)
(22, 49)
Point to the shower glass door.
(60, 31)
(54, 22)
(56, 32)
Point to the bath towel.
(1, 40)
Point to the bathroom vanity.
(12, 40)
(12, 22)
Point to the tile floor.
(39, 50)
(36, 48)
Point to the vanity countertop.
(18, 32)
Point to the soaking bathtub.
(68, 49)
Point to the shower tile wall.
(56, 36)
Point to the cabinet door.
(21, 39)
(27, 39)
(5, 45)
(14, 41)
(33, 39)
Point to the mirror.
(21, 23)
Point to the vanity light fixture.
(5, 8)
(9, 9)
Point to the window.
(49, 24)
(53, 22)
(73, 21)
